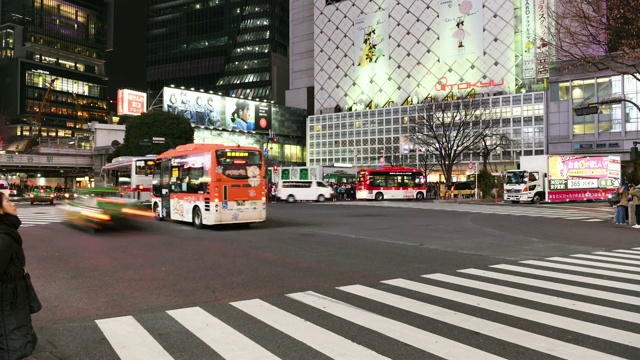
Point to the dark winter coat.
(17, 337)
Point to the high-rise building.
(235, 48)
(52, 60)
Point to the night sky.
(125, 65)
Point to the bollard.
(495, 196)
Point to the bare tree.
(602, 34)
(492, 142)
(450, 129)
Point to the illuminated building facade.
(47, 39)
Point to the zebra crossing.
(581, 214)
(582, 306)
(40, 215)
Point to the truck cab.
(524, 186)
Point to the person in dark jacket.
(17, 337)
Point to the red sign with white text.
(131, 102)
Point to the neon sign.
(442, 85)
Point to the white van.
(301, 190)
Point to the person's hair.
(240, 105)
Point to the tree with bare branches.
(451, 129)
(492, 142)
(602, 34)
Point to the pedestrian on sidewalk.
(634, 200)
(17, 337)
(621, 207)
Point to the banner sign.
(371, 42)
(528, 39)
(583, 177)
(461, 25)
(131, 102)
(542, 37)
(203, 109)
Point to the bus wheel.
(156, 210)
(321, 198)
(420, 196)
(197, 218)
(291, 198)
(379, 196)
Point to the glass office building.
(43, 40)
(362, 137)
(235, 48)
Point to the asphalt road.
(149, 271)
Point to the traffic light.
(275, 169)
(586, 110)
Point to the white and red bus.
(390, 183)
(209, 184)
(133, 175)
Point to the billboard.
(131, 102)
(461, 28)
(371, 42)
(576, 177)
(205, 109)
(528, 39)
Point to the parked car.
(4, 188)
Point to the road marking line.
(577, 278)
(326, 342)
(596, 263)
(407, 334)
(222, 338)
(582, 269)
(130, 340)
(482, 326)
(541, 298)
(617, 254)
(628, 251)
(562, 322)
(595, 257)
(633, 300)
(593, 220)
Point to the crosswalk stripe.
(628, 251)
(130, 340)
(628, 256)
(638, 248)
(582, 269)
(482, 326)
(633, 300)
(541, 298)
(562, 322)
(407, 334)
(595, 257)
(577, 278)
(219, 336)
(596, 263)
(324, 341)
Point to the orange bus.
(209, 184)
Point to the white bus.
(133, 175)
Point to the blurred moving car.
(100, 208)
(42, 193)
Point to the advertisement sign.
(371, 42)
(583, 177)
(131, 102)
(461, 31)
(542, 43)
(528, 39)
(205, 109)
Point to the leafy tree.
(486, 183)
(451, 129)
(602, 34)
(175, 129)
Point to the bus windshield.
(239, 164)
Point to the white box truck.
(558, 178)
